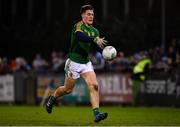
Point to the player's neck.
(88, 25)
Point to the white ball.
(109, 53)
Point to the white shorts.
(74, 70)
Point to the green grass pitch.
(83, 116)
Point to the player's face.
(88, 17)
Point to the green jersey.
(79, 50)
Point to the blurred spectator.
(162, 64)
(157, 54)
(141, 69)
(121, 63)
(57, 60)
(13, 65)
(4, 67)
(136, 57)
(21, 64)
(98, 61)
(171, 55)
(39, 64)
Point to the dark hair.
(86, 7)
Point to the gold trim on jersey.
(78, 26)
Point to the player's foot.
(100, 116)
(50, 103)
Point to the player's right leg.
(91, 81)
(60, 91)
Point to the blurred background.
(35, 39)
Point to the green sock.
(96, 111)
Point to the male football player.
(78, 63)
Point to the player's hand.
(100, 41)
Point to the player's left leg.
(70, 78)
(60, 91)
(91, 81)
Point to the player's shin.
(60, 91)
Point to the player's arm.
(100, 42)
(86, 39)
(80, 36)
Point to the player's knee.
(94, 87)
(68, 91)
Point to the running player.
(78, 63)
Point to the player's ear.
(82, 15)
